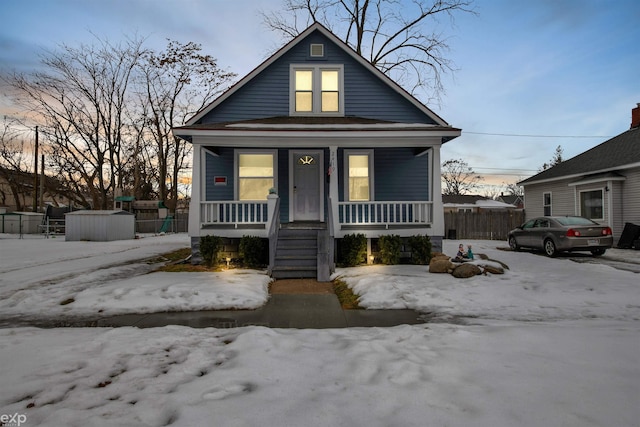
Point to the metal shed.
(21, 222)
(100, 226)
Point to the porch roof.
(311, 124)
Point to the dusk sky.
(532, 74)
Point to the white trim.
(345, 168)
(350, 126)
(550, 193)
(316, 69)
(236, 173)
(582, 174)
(597, 180)
(196, 191)
(292, 159)
(316, 46)
(314, 139)
(317, 27)
(608, 191)
(435, 184)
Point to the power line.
(503, 169)
(516, 135)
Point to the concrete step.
(292, 272)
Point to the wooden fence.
(489, 225)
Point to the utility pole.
(35, 176)
(42, 183)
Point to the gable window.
(546, 203)
(255, 174)
(359, 173)
(317, 90)
(591, 204)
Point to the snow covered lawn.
(550, 343)
(53, 278)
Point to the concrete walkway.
(302, 304)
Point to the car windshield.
(574, 220)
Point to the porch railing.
(233, 212)
(385, 213)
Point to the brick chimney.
(635, 117)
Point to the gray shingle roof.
(619, 151)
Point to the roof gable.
(361, 72)
(619, 152)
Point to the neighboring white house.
(472, 203)
(602, 184)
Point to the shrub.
(420, 249)
(252, 251)
(389, 249)
(210, 247)
(353, 249)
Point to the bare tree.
(401, 38)
(175, 84)
(13, 164)
(106, 112)
(514, 189)
(81, 98)
(458, 177)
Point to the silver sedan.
(554, 234)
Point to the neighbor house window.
(359, 175)
(546, 203)
(591, 204)
(316, 90)
(255, 175)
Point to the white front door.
(307, 185)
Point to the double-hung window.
(316, 90)
(256, 174)
(359, 175)
(546, 203)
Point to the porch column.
(436, 193)
(194, 205)
(333, 186)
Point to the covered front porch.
(325, 192)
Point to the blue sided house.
(313, 145)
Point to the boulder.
(439, 255)
(466, 270)
(441, 266)
(493, 269)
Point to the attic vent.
(317, 50)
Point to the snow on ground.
(533, 288)
(50, 277)
(552, 342)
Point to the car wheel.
(550, 248)
(513, 244)
(598, 252)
